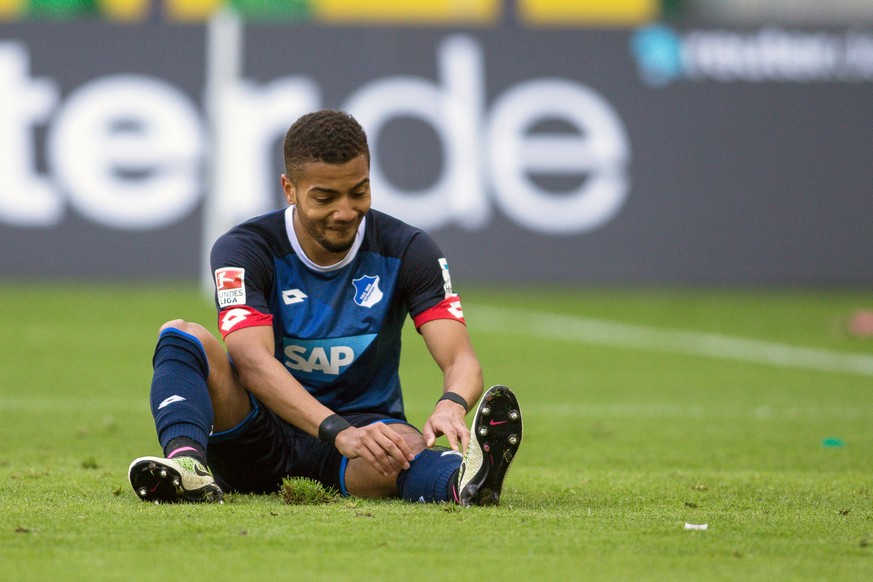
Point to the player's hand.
(382, 447)
(447, 419)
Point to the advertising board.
(633, 156)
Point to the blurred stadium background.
(714, 142)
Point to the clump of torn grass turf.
(304, 491)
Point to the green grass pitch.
(747, 411)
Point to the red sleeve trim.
(448, 308)
(238, 317)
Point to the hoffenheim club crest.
(367, 292)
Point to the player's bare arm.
(449, 344)
(251, 349)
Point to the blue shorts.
(256, 455)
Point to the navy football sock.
(185, 447)
(179, 397)
(429, 476)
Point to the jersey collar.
(295, 244)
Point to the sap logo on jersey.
(367, 292)
(230, 286)
(325, 359)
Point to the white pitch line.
(607, 333)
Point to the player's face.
(331, 200)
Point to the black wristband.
(456, 398)
(332, 426)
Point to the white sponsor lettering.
(766, 55)
(454, 112)
(318, 360)
(26, 198)
(125, 150)
(598, 151)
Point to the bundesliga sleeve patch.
(239, 317)
(230, 286)
(448, 308)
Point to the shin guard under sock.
(179, 396)
(429, 476)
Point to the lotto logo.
(230, 320)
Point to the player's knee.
(194, 329)
(174, 323)
(414, 439)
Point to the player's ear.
(289, 189)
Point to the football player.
(311, 301)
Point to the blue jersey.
(336, 329)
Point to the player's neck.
(318, 254)
(315, 256)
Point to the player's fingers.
(452, 437)
(367, 448)
(363, 452)
(465, 438)
(429, 436)
(391, 449)
(461, 435)
(431, 432)
(402, 446)
(398, 449)
(379, 459)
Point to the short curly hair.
(328, 136)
